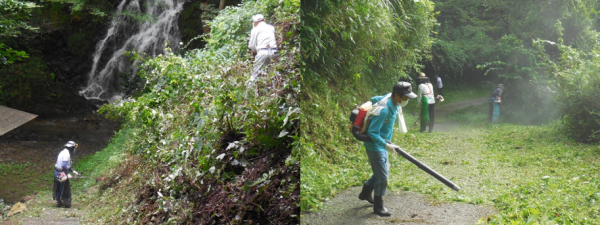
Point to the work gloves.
(76, 173)
(391, 147)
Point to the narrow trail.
(443, 111)
(406, 207)
(36, 145)
(42, 210)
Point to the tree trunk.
(221, 4)
(205, 27)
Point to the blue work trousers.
(379, 165)
(59, 188)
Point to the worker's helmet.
(500, 86)
(70, 144)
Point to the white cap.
(70, 144)
(258, 18)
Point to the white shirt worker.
(426, 89)
(262, 41)
(63, 156)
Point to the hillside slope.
(199, 144)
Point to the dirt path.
(35, 147)
(406, 207)
(41, 210)
(442, 111)
(36, 144)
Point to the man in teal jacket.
(380, 129)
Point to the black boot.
(366, 192)
(379, 209)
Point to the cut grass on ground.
(529, 173)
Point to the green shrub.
(199, 128)
(577, 83)
(352, 50)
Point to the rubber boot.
(378, 208)
(366, 192)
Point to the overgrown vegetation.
(352, 50)
(532, 174)
(214, 149)
(574, 74)
(492, 41)
(511, 167)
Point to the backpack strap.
(379, 105)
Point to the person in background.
(426, 100)
(62, 187)
(380, 130)
(262, 42)
(495, 101)
(439, 84)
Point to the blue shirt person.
(380, 129)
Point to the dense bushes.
(351, 51)
(575, 76)
(215, 148)
(482, 41)
(348, 39)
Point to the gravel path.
(42, 210)
(442, 111)
(406, 207)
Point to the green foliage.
(379, 38)
(198, 123)
(14, 16)
(514, 168)
(9, 55)
(140, 17)
(577, 82)
(352, 50)
(478, 32)
(102, 161)
(95, 7)
(23, 78)
(493, 39)
(11, 168)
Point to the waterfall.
(140, 26)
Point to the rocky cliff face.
(61, 54)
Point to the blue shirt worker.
(62, 187)
(380, 129)
(495, 101)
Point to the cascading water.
(140, 26)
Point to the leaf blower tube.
(426, 168)
(364, 137)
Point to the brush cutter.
(415, 123)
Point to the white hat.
(258, 18)
(70, 144)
